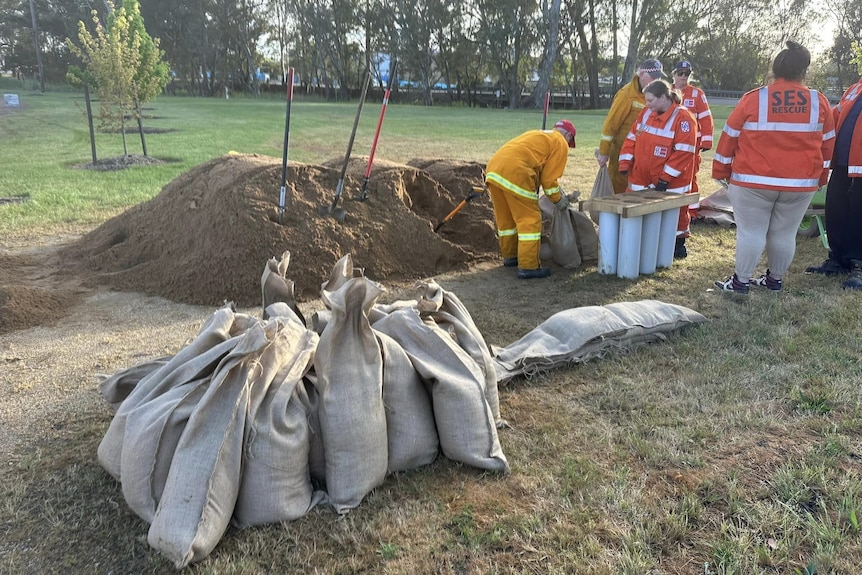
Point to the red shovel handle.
(377, 133)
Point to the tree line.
(448, 51)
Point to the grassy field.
(732, 449)
(47, 143)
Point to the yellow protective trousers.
(519, 226)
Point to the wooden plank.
(633, 204)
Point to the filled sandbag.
(349, 378)
(410, 427)
(309, 396)
(572, 239)
(275, 287)
(203, 482)
(117, 387)
(448, 312)
(276, 485)
(586, 234)
(578, 334)
(564, 241)
(465, 424)
(216, 339)
(153, 430)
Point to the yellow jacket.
(628, 103)
(534, 158)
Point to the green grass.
(47, 142)
(731, 449)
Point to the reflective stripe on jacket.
(779, 137)
(628, 103)
(694, 99)
(535, 158)
(854, 169)
(661, 147)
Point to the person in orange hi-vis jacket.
(694, 99)
(628, 103)
(659, 151)
(513, 176)
(844, 193)
(775, 152)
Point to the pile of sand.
(207, 236)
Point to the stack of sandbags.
(242, 424)
(257, 421)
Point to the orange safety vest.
(694, 99)
(854, 170)
(661, 147)
(779, 137)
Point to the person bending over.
(514, 173)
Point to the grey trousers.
(766, 219)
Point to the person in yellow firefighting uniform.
(628, 102)
(513, 176)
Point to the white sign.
(11, 100)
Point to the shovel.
(334, 210)
(477, 191)
(286, 144)
(363, 195)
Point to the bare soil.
(73, 308)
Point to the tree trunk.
(634, 44)
(140, 116)
(90, 122)
(546, 68)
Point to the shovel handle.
(451, 215)
(477, 191)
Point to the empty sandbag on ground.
(578, 334)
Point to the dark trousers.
(844, 216)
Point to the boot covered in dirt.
(855, 279)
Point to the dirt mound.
(206, 237)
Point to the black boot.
(533, 274)
(679, 250)
(829, 267)
(855, 279)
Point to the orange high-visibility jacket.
(694, 99)
(854, 170)
(661, 147)
(534, 158)
(779, 137)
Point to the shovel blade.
(327, 210)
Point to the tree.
(151, 74)
(508, 30)
(122, 64)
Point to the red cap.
(569, 127)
